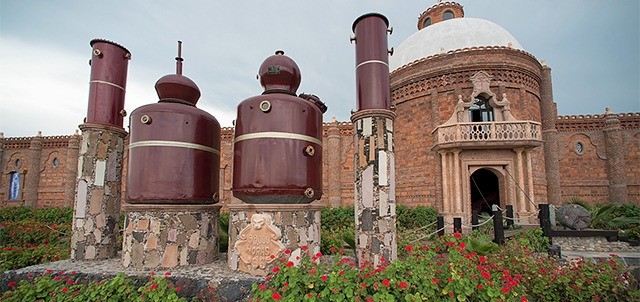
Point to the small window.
(481, 111)
(447, 15)
(55, 162)
(18, 163)
(579, 148)
(14, 186)
(427, 22)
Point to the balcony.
(488, 135)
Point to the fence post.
(545, 220)
(498, 230)
(474, 219)
(440, 225)
(510, 218)
(457, 225)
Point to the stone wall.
(593, 244)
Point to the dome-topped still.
(456, 33)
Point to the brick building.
(476, 125)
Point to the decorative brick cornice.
(595, 122)
(57, 141)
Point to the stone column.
(446, 204)
(333, 163)
(97, 203)
(72, 170)
(530, 201)
(456, 183)
(520, 181)
(375, 186)
(32, 179)
(550, 137)
(1, 154)
(615, 163)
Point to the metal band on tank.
(108, 83)
(158, 143)
(297, 136)
(372, 61)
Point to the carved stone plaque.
(259, 243)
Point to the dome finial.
(179, 59)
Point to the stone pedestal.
(169, 236)
(375, 207)
(260, 233)
(96, 213)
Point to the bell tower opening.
(485, 190)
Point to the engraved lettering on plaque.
(258, 241)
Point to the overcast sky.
(592, 47)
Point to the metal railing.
(488, 132)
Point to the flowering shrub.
(447, 270)
(442, 271)
(63, 286)
(575, 280)
(33, 236)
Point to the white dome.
(450, 35)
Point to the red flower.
(332, 249)
(65, 289)
(341, 273)
(435, 280)
(486, 275)
(290, 264)
(403, 285)
(363, 285)
(324, 277)
(304, 247)
(285, 284)
(272, 256)
(524, 299)
(287, 251)
(369, 299)
(178, 288)
(457, 235)
(276, 296)
(262, 286)
(451, 293)
(462, 245)
(71, 282)
(153, 286)
(318, 255)
(409, 248)
(312, 271)
(449, 243)
(275, 269)
(167, 274)
(482, 259)
(385, 282)
(12, 283)
(57, 278)
(480, 286)
(504, 290)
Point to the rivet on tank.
(278, 139)
(109, 62)
(174, 150)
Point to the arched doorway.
(485, 190)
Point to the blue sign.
(15, 186)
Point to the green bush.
(45, 215)
(410, 218)
(65, 287)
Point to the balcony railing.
(489, 134)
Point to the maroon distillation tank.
(108, 82)
(278, 139)
(174, 149)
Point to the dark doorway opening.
(485, 191)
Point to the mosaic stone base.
(170, 236)
(259, 231)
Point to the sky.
(592, 46)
